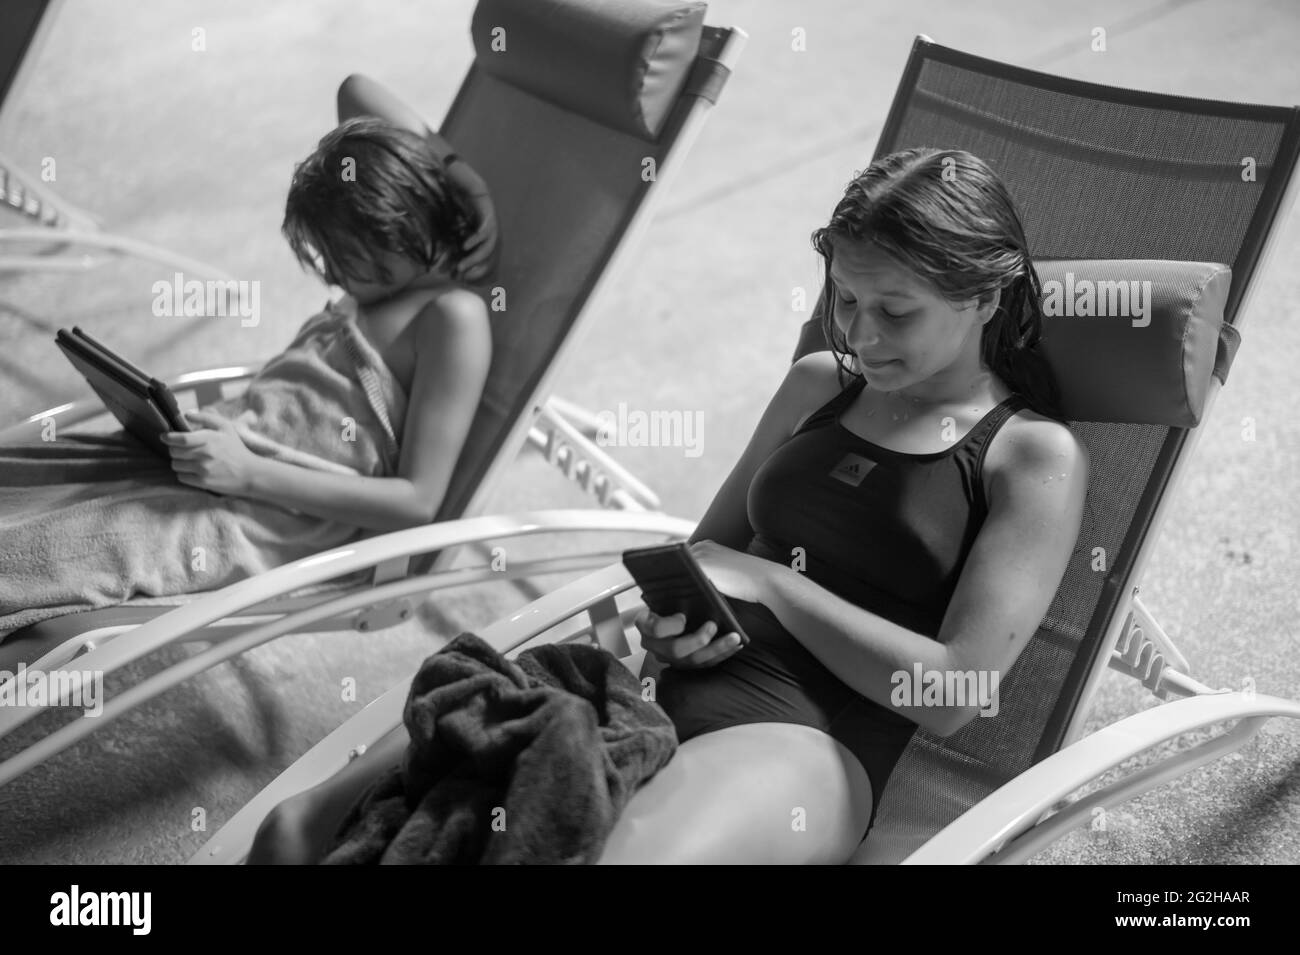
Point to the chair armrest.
(230, 844)
(340, 561)
(1019, 806)
(206, 386)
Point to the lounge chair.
(1113, 185)
(564, 152)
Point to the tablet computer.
(145, 406)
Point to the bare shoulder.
(451, 314)
(454, 304)
(812, 381)
(1030, 449)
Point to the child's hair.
(371, 186)
(947, 217)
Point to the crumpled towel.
(90, 521)
(529, 761)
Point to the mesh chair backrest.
(565, 189)
(1097, 173)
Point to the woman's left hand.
(213, 458)
(735, 573)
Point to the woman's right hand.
(662, 638)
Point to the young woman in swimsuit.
(924, 514)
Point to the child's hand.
(479, 247)
(214, 458)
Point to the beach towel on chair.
(91, 521)
(529, 761)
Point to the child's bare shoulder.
(452, 311)
(452, 324)
(422, 309)
(452, 301)
(449, 319)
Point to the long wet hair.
(397, 199)
(946, 216)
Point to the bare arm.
(361, 96)
(809, 383)
(381, 504)
(453, 350)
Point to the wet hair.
(393, 196)
(947, 217)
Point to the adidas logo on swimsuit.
(852, 469)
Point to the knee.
(285, 836)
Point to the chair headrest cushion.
(1135, 340)
(620, 64)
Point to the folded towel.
(92, 521)
(529, 761)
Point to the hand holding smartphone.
(672, 581)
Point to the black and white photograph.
(651, 432)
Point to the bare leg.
(762, 793)
(298, 831)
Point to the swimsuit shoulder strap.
(830, 411)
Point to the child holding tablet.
(357, 425)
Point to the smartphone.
(672, 581)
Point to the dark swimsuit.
(885, 530)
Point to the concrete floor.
(193, 151)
